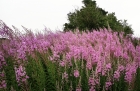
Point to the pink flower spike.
(76, 73)
(78, 89)
(62, 63)
(107, 85)
(108, 66)
(65, 75)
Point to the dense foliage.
(72, 61)
(90, 17)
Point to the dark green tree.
(90, 17)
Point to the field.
(69, 61)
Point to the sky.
(38, 14)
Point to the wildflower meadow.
(69, 61)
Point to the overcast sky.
(35, 14)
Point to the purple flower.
(21, 76)
(130, 71)
(91, 81)
(108, 66)
(2, 80)
(78, 89)
(65, 75)
(116, 75)
(99, 68)
(76, 73)
(62, 63)
(107, 85)
(92, 88)
(2, 61)
(89, 65)
(3, 84)
(121, 68)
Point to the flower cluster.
(2, 61)
(21, 76)
(77, 55)
(2, 80)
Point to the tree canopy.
(90, 17)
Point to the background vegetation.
(91, 17)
